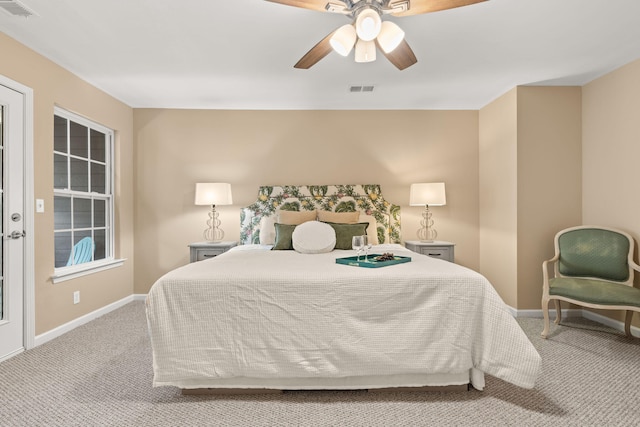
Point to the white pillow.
(313, 237)
(268, 230)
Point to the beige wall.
(52, 85)
(530, 169)
(611, 149)
(498, 138)
(549, 179)
(177, 148)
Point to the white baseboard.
(574, 312)
(63, 329)
(139, 297)
(614, 324)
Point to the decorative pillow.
(295, 217)
(313, 237)
(283, 237)
(339, 217)
(372, 229)
(344, 233)
(268, 230)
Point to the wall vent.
(361, 88)
(15, 8)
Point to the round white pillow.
(313, 237)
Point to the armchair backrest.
(594, 252)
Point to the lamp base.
(213, 233)
(427, 233)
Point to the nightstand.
(435, 249)
(205, 250)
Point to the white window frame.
(70, 272)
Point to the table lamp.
(213, 193)
(427, 194)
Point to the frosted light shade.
(390, 36)
(213, 193)
(427, 194)
(343, 39)
(368, 25)
(365, 51)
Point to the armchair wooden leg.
(556, 302)
(627, 323)
(545, 314)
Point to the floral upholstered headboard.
(336, 198)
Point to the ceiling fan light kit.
(365, 51)
(367, 30)
(390, 36)
(343, 39)
(368, 24)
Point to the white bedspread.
(253, 313)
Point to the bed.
(258, 318)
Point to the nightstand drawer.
(443, 253)
(438, 249)
(207, 250)
(202, 254)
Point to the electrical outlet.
(76, 297)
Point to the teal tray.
(372, 262)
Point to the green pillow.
(344, 233)
(283, 237)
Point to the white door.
(12, 128)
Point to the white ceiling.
(239, 54)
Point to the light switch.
(39, 205)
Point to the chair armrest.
(545, 272)
(555, 259)
(635, 266)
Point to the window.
(83, 195)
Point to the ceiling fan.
(367, 30)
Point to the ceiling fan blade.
(319, 51)
(320, 5)
(417, 7)
(402, 56)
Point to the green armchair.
(592, 267)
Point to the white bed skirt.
(474, 377)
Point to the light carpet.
(100, 375)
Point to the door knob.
(16, 235)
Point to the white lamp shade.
(213, 193)
(343, 39)
(368, 24)
(431, 194)
(365, 51)
(390, 36)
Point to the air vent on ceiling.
(361, 88)
(15, 8)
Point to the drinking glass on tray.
(367, 248)
(357, 243)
